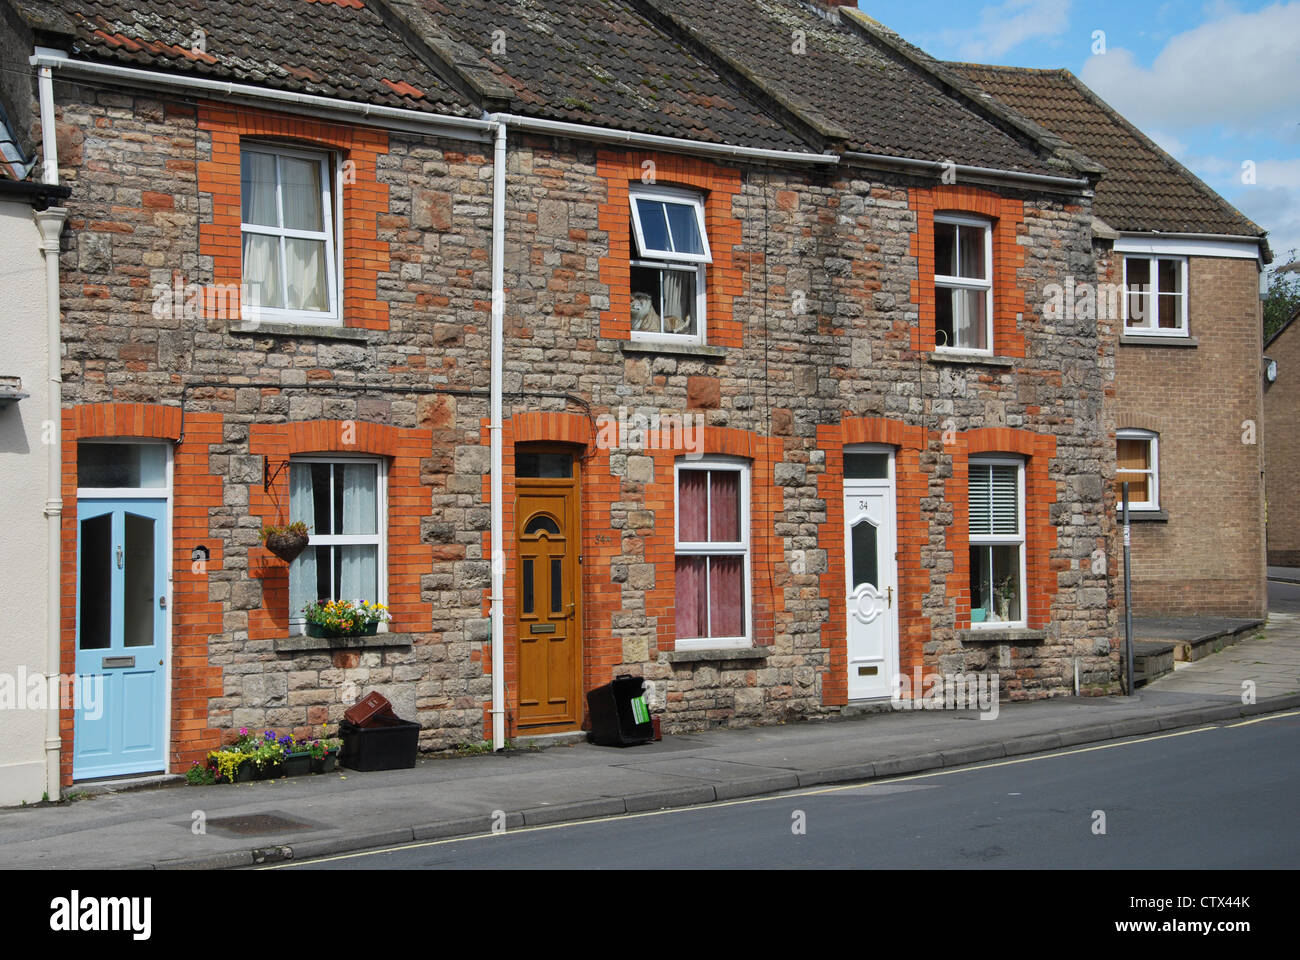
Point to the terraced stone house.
(777, 412)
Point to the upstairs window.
(963, 284)
(289, 235)
(670, 251)
(1138, 455)
(1155, 302)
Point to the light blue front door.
(120, 725)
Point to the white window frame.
(1152, 294)
(662, 259)
(332, 236)
(942, 281)
(1004, 540)
(739, 548)
(379, 538)
(1152, 470)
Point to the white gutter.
(582, 131)
(494, 437)
(987, 173)
(50, 222)
(394, 118)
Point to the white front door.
(871, 594)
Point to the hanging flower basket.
(286, 542)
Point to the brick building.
(783, 416)
(1182, 268)
(1282, 443)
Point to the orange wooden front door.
(547, 592)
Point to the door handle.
(889, 592)
(119, 557)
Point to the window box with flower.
(345, 618)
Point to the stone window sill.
(970, 359)
(316, 331)
(1137, 340)
(302, 643)
(654, 348)
(994, 635)
(720, 653)
(1144, 516)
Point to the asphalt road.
(1283, 597)
(1218, 797)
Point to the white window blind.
(994, 500)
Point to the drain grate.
(257, 823)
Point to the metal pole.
(1128, 596)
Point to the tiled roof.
(852, 78)
(330, 48)
(1144, 188)
(600, 62)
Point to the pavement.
(1284, 574)
(240, 825)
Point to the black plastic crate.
(614, 720)
(385, 743)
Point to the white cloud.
(1241, 70)
(1006, 26)
(1167, 142)
(1275, 209)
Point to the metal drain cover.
(257, 823)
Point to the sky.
(1216, 84)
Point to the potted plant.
(286, 542)
(1005, 593)
(268, 757)
(344, 618)
(325, 754)
(297, 756)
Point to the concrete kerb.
(688, 796)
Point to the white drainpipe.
(494, 436)
(50, 222)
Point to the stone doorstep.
(96, 788)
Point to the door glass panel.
(550, 466)
(542, 524)
(139, 597)
(866, 466)
(132, 465)
(527, 578)
(557, 581)
(865, 559)
(96, 581)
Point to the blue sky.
(1217, 84)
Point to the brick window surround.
(408, 502)
(364, 200)
(1007, 219)
(1040, 534)
(719, 186)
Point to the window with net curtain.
(670, 251)
(342, 504)
(963, 284)
(288, 235)
(712, 548)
